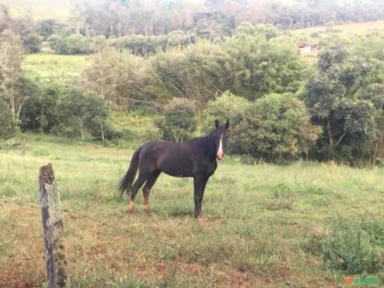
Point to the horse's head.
(220, 137)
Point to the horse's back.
(169, 157)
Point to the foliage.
(67, 111)
(11, 53)
(82, 114)
(226, 106)
(32, 43)
(48, 27)
(213, 19)
(39, 113)
(334, 96)
(211, 25)
(141, 45)
(198, 72)
(273, 128)
(261, 64)
(7, 127)
(70, 45)
(117, 77)
(355, 246)
(179, 120)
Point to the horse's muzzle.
(219, 156)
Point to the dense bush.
(82, 114)
(32, 43)
(39, 112)
(227, 106)
(67, 111)
(197, 72)
(72, 44)
(275, 128)
(48, 27)
(179, 120)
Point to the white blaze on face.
(220, 150)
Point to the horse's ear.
(216, 123)
(227, 124)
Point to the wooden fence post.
(53, 229)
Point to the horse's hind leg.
(136, 186)
(147, 189)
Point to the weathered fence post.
(53, 229)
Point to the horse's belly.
(176, 166)
(177, 171)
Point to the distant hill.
(343, 30)
(40, 9)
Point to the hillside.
(346, 31)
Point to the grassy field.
(265, 225)
(54, 68)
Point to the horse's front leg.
(199, 183)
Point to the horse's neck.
(206, 145)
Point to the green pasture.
(264, 226)
(54, 68)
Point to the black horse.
(195, 158)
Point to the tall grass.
(265, 225)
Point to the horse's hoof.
(147, 210)
(149, 213)
(202, 220)
(131, 207)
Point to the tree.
(48, 27)
(116, 77)
(72, 44)
(375, 95)
(274, 128)
(261, 63)
(333, 96)
(211, 25)
(82, 114)
(11, 53)
(179, 120)
(39, 113)
(32, 43)
(226, 106)
(198, 72)
(7, 127)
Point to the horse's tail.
(126, 182)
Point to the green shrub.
(83, 114)
(227, 106)
(73, 44)
(179, 120)
(275, 128)
(355, 246)
(32, 43)
(39, 112)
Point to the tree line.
(144, 27)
